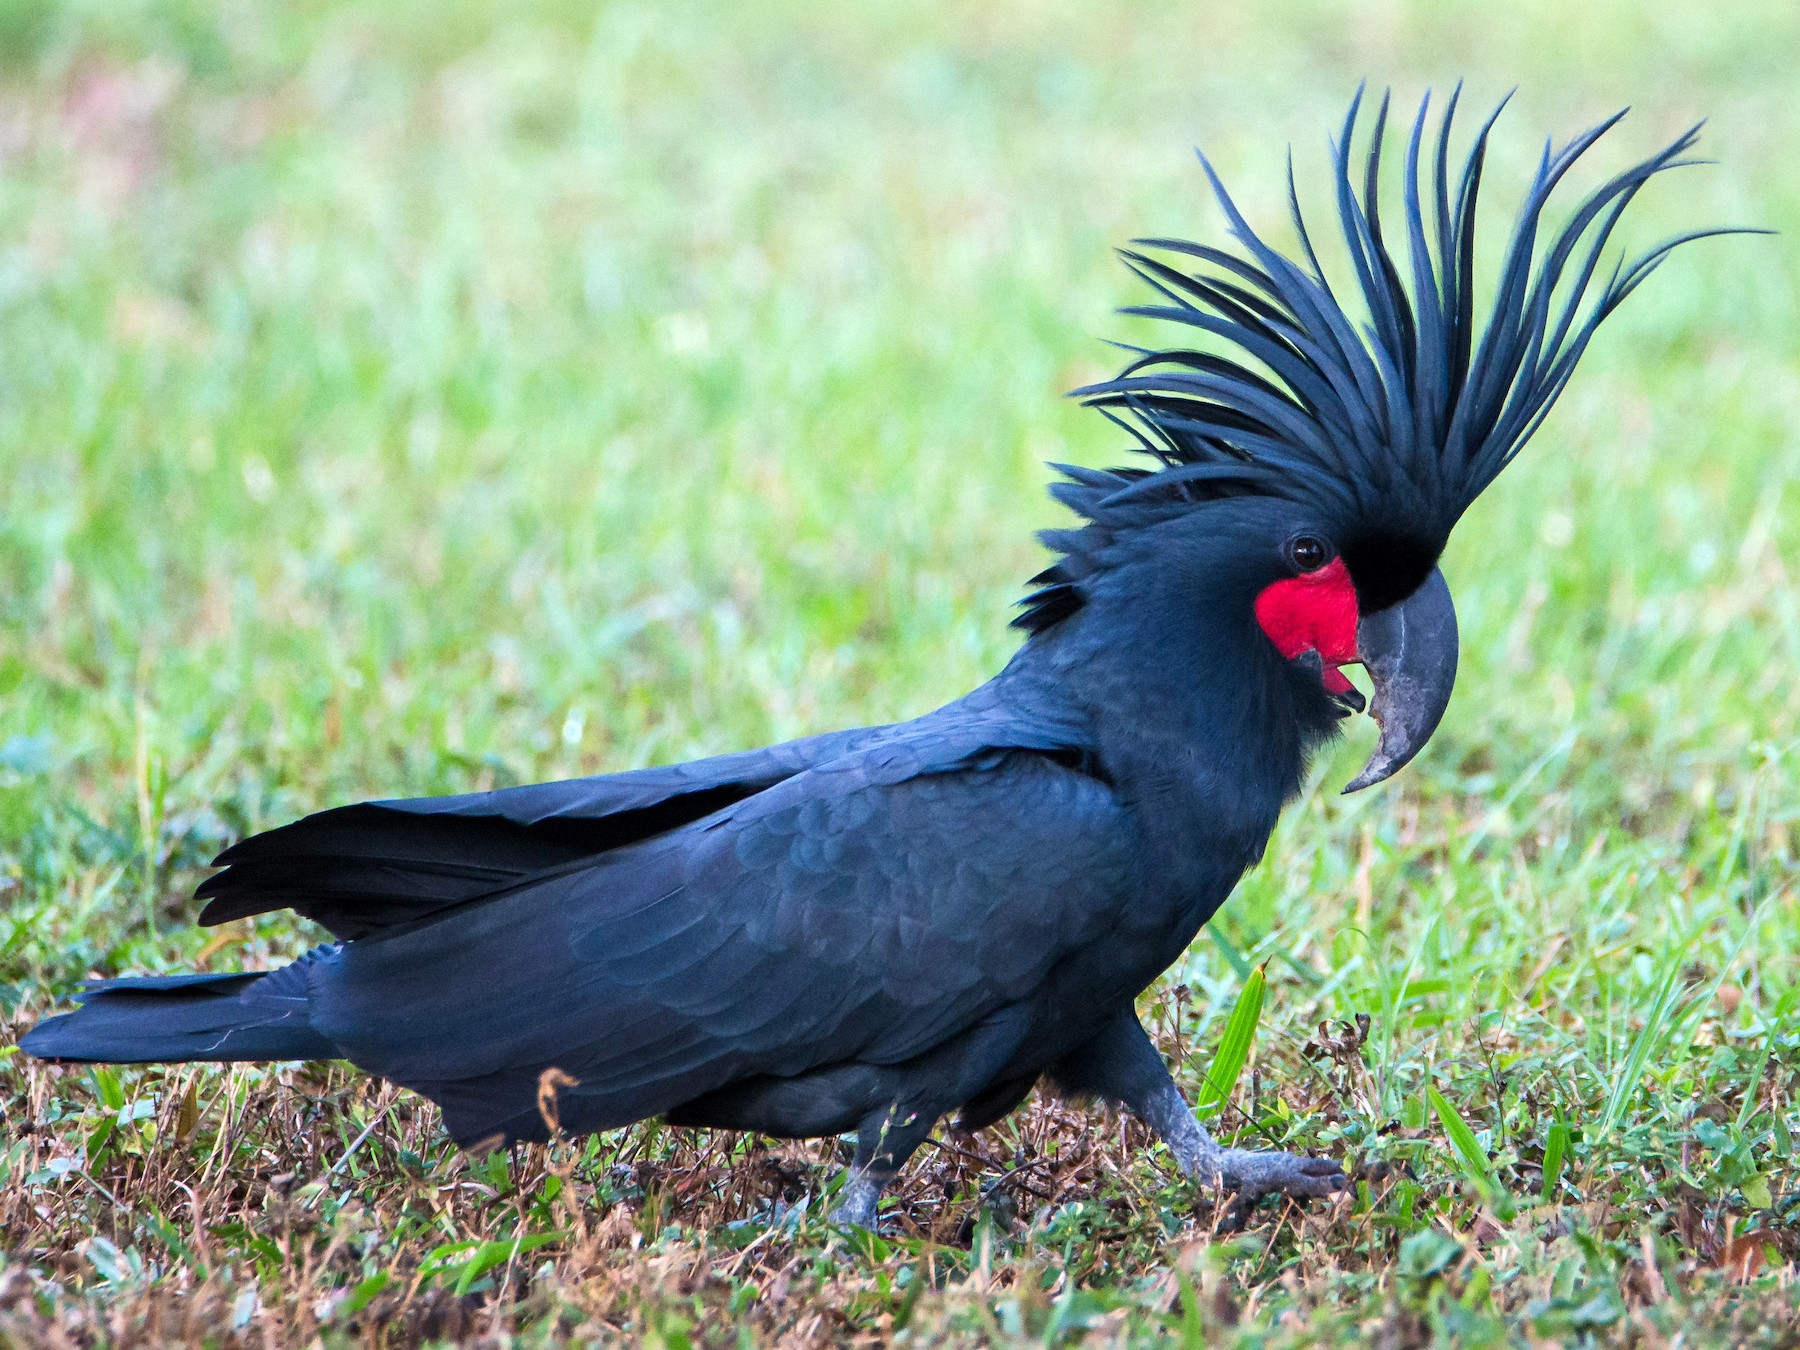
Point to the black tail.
(170, 1018)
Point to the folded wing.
(864, 911)
(358, 869)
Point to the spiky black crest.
(1395, 424)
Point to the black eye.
(1308, 552)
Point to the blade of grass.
(1234, 1045)
(1228, 949)
(1471, 1159)
(1556, 1154)
(1647, 1039)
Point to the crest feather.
(1411, 407)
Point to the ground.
(423, 397)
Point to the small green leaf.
(1469, 1154)
(360, 1295)
(106, 1084)
(1234, 1046)
(1556, 1154)
(477, 1258)
(1462, 1138)
(1428, 1253)
(1756, 1191)
(96, 1143)
(1475, 1294)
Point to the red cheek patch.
(1314, 613)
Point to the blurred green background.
(392, 397)
(418, 397)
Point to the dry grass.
(291, 1206)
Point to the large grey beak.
(1409, 650)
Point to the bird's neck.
(1205, 730)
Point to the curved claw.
(1282, 1173)
(1254, 1176)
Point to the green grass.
(428, 397)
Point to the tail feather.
(174, 1018)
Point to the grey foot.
(1251, 1176)
(1243, 1170)
(1121, 1063)
(856, 1203)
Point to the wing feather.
(848, 913)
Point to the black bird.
(867, 930)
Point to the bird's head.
(1312, 459)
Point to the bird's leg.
(884, 1141)
(1250, 1174)
(1121, 1064)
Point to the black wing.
(858, 912)
(357, 869)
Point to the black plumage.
(869, 930)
